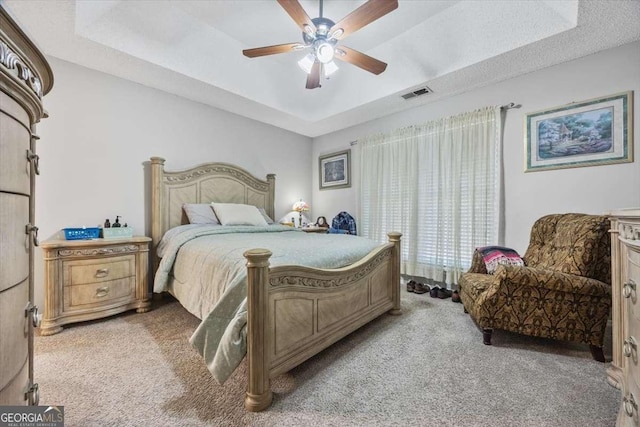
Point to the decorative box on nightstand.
(90, 279)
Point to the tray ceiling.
(194, 49)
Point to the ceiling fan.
(322, 35)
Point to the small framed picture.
(335, 170)
(587, 133)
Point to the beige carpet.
(427, 367)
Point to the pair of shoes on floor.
(455, 297)
(438, 292)
(418, 288)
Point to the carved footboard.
(295, 312)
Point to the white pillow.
(265, 216)
(236, 214)
(200, 213)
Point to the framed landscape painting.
(335, 170)
(588, 133)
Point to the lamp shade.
(325, 52)
(300, 206)
(330, 68)
(306, 63)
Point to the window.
(439, 185)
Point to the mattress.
(204, 268)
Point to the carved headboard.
(209, 182)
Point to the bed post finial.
(394, 237)
(271, 179)
(157, 215)
(259, 394)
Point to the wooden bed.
(294, 312)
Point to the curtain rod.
(510, 106)
(502, 107)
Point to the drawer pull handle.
(33, 230)
(33, 394)
(629, 405)
(35, 161)
(102, 292)
(102, 272)
(35, 317)
(628, 287)
(628, 346)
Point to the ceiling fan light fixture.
(306, 63)
(337, 34)
(329, 68)
(323, 29)
(321, 36)
(325, 52)
(309, 30)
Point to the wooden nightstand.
(90, 279)
(314, 229)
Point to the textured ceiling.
(194, 49)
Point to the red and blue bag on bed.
(493, 256)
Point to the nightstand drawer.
(79, 272)
(103, 293)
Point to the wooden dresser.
(624, 372)
(90, 279)
(25, 77)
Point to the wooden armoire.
(25, 77)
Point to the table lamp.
(300, 206)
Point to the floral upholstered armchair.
(563, 291)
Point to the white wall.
(528, 196)
(103, 129)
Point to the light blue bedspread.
(205, 269)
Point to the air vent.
(421, 91)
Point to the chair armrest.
(552, 280)
(477, 263)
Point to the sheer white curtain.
(439, 184)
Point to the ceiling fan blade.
(270, 50)
(364, 15)
(295, 11)
(361, 60)
(313, 79)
